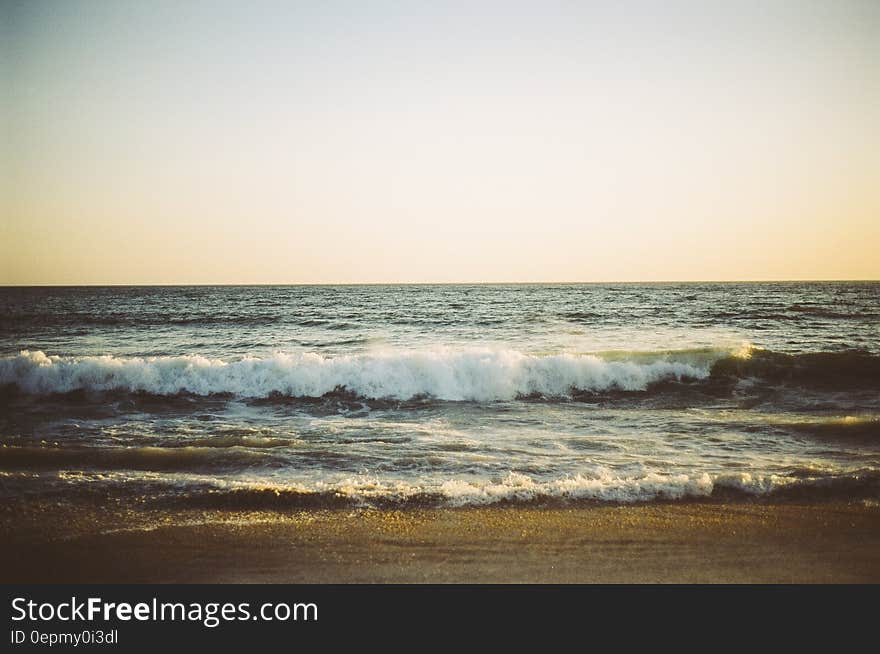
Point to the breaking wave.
(513, 489)
(446, 374)
(442, 374)
(516, 488)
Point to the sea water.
(441, 395)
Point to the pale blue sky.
(229, 142)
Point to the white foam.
(606, 488)
(448, 374)
(600, 485)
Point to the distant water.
(441, 395)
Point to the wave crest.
(512, 489)
(444, 374)
(468, 374)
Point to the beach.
(370, 293)
(607, 433)
(835, 542)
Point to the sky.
(370, 142)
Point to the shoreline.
(832, 542)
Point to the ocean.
(441, 395)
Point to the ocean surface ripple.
(323, 396)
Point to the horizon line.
(490, 283)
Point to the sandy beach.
(658, 543)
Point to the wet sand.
(671, 543)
